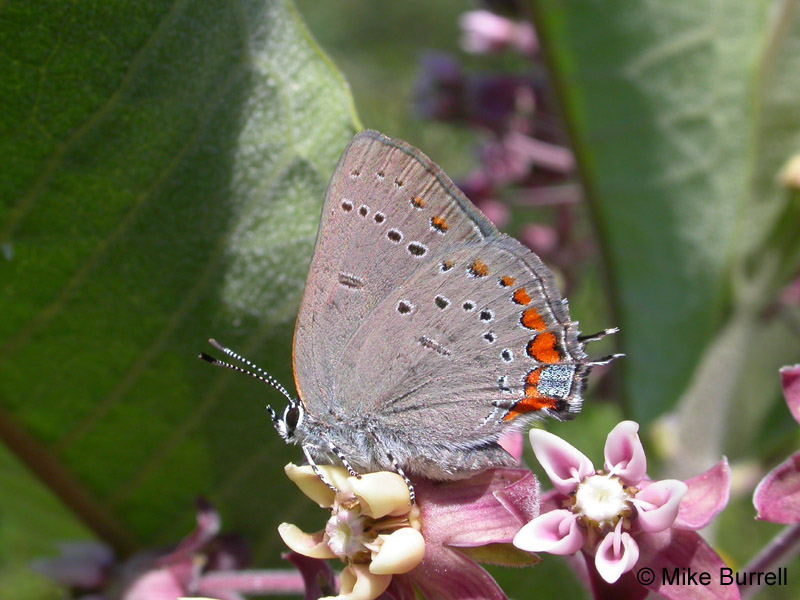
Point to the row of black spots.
(355, 174)
(441, 302)
(507, 355)
(363, 211)
(490, 336)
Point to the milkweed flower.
(391, 546)
(618, 519)
(777, 497)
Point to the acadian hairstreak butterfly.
(424, 333)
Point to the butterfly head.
(291, 420)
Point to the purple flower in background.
(620, 520)
(391, 547)
(485, 32)
(777, 497)
(204, 564)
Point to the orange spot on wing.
(507, 281)
(532, 319)
(418, 202)
(532, 400)
(543, 348)
(521, 297)
(439, 224)
(478, 268)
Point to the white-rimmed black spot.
(417, 249)
(363, 210)
(441, 302)
(507, 355)
(404, 307)
(394, 235)
(468, 305)
(486, 315)
(490, 337)
(502, 383)
(380, 174)
(347, 206)
(379, 217)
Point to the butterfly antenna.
(262, 375)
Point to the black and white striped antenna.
(260, 374)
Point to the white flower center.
(345, 532)
(601, 498)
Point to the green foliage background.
(164, 166)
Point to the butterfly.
(424, 333)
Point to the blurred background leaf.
(165, 170)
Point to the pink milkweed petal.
(708, 494)
(468, 513)
(556, 532)
(657, 504)
(624, 453)
(565, 465)
(790, 380)
(511, 442)
(777, 497)
(446, 573)
(680, 551)
(616, 554)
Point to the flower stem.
(252, 582)
(783, 546)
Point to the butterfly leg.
(343, 459)
(315, 468)
(412, 495)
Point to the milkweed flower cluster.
(391, 547)
(618, 519)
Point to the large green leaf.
(682, 114)
(165, 166)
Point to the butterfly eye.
(291, 416)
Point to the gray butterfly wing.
(420, 317)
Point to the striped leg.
(316, 470)
(412, 495)
(344, 460)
